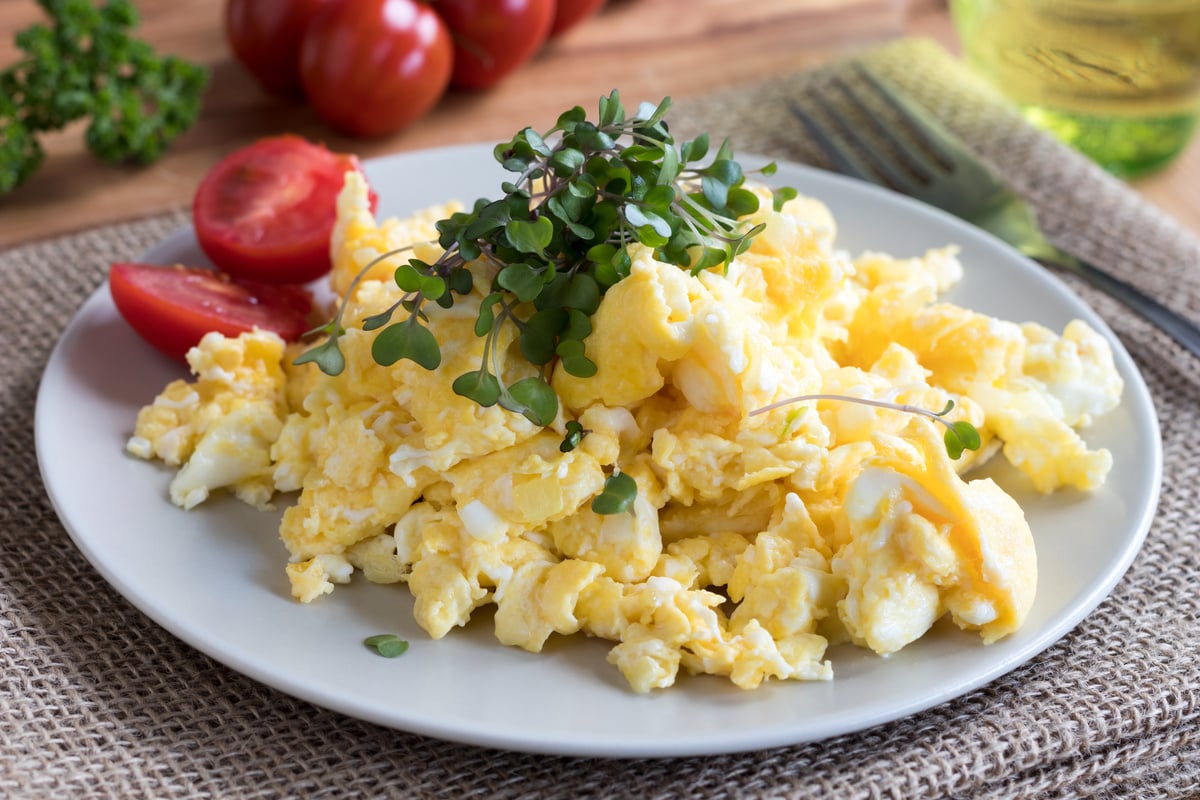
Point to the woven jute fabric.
(96, 701)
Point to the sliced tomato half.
(266, 212)
(173, 307)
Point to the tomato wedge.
(266, 212)
(173, 307)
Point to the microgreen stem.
(865, 401)
(960, 435)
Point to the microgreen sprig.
(618, 495)
(959, 435)
(328, 355)
(387, 645)
(558, 238)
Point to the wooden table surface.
(647, 48)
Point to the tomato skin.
(266, 212)
(372, 67)
(494, 37)
(173, 307)
(265, 37)
(569, 13)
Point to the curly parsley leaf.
(86, 63)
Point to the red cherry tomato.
(265, 38)
(372, 67)
(266, 212)
(173, 307)
(494, 37)
(568, 13)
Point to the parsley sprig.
(87, 64)
(557, 239)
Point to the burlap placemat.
(98, 702)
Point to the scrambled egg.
(755, 541)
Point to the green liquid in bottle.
(1119, 80)
(1126, 147)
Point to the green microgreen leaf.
(669, 170)
(480, 386)
(566, 161)
(387, 645)
(408, 339)
(432, 287)
(611, 110)
(709, 257)
(487, 313)
(592, 138)
(694, 149)
(570, 118)
(659, 198)
(650, 114)
(583, 293)
(461, 280)
(571, 354)
(717, 179)
(489, 219)
(741, 202)
(619, 494)
(582, 187)
(650, 226)
(574, 435)
(582, 231)
(539, 334)
(579, 325)
(530, 237)
(327, 356)
(523, 280)
(536, 142)
(782, 195)
(379, 320)
(960, 436)
(533, 398)
(408, 276)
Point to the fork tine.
(842, 157)
(913, 157)
(881, 169)
(932, 136)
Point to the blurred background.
(646, 48)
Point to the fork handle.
(1177, 326)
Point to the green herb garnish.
(618, 495)
(959, 436)
(387, 645)
(558, 239)
(86, 64)
(575, 434)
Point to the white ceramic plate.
(214, 577)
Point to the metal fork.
(930, 165)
